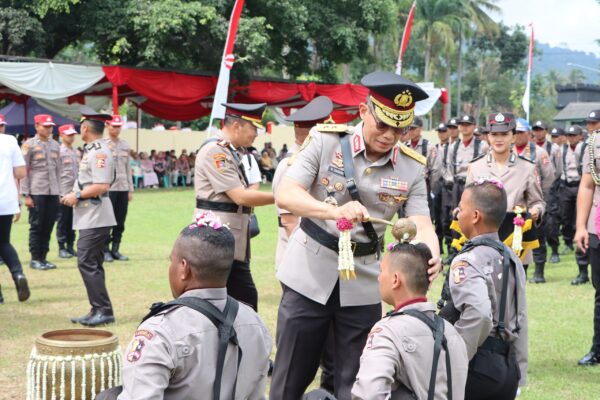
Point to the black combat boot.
(107, 255)
(71, 249)
(582, 277)
(538, 275)
(62, 251)
(116, 255)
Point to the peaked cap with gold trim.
(393, 97)
(249, 112)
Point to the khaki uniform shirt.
(69, 167)
(555, 157)
(397, 360)
(544, 166)
(216, 171)
(282, 237)
(173, 355)
(96, 166)
(476, 289)
(456, 167)
(120, 152)
(431, 153)
(43, 167)
(570, 171)
(594, 143)
(395, 181)
(520, 178)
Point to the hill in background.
(556, 58)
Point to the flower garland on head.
(493, 181)
(209, 219)
(345, 253)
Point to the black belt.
(571, 184)
(221, 206)
(330, 241)
(460, 180)
(496, 345)
(279, 222)
(448, 185)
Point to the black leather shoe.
(71, 251)
(97, 319)
(49, 265)
(78, 320)
(554, 258)
(580, 280)
(590, 358)
(108, 257)
(1, 297)
(118, 256)
(37, 264)
(22, 287)
(537, 279)
(63, 253)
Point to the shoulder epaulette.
(478, 157)
(333, 128)
(223, 143)
(413, 154)
(522, 157)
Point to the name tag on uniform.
(337, 171)
(39, 156)
(394, 183)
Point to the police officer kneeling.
(204, 344)
(487, 304)
(405, 358)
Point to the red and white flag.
(405, 37)
(527, 93)
(218, 111)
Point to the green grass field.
(560, 314)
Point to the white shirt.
(251, 169)
(10, 157)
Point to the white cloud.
(573, 24)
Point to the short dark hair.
(96, 127)
(208, 251)
(490, 199)
(413, 261)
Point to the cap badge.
(452, 121)
(592, 114)
(466, 118)
(440, 126)
(403, 99)
(571, 129)
(48, 119)
(499, 118)
(538, 123)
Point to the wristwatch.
(78, 195)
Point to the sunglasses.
(382, 126)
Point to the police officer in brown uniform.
(552, 217)
(545, 170)
(69, 167)
(586, 237)
(372, 175)
(40, 188)
(572, 155)
(221, 186)
(487, 287)
(93, 216)
(121, 191)
(411, 352)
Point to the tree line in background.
(454, 43)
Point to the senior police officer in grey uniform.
(40, 188)
(586, 236)
(487, 297)
(372, 175)
(573, 154)
(121, 191)
(222, 187)
(69, 167)
(93, 216)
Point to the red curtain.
(347, 94)
(175, 113)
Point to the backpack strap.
(532, 155)
(564, 156)
(424, 146)
(476, 147)
(223, 321)
(454, 156)
(581, 154)
(437, 329)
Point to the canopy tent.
(170, 95)
(16, 114)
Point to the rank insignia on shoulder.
(413, 154)
(333, 128)
(223, 143)
(292, 159)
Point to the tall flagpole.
(218, 111)
(405, 37)
(527, 93)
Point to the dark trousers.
(89, 261)
(7, 251)
(41, 222)
(446, 216)
(436, 213)
(302, 329)
(492, 376)
(594, 253)
(65, 234)
(120, 203)
(240, 284)
(540, 254)
(568, 207)
(552, 217)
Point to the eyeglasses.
(382, 126)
